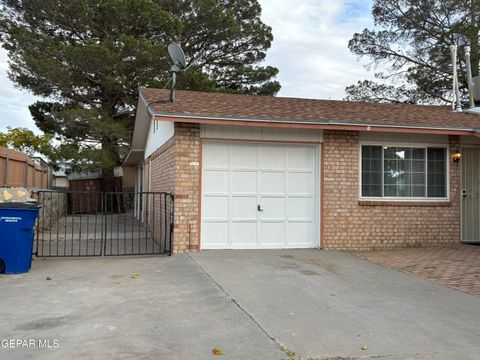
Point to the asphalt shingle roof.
(220, 105)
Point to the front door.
(470, 195)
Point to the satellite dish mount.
(179, 65)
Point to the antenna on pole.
(471, 100)
(456, 104)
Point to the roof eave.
(324, 124)
(134, 157)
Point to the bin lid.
(20, 205)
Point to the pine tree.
(87, 58)
(410, 44)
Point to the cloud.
(309, 48)
(14, 101)
(310, 45)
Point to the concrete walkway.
(455, 266)
(326, 304)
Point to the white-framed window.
(404, 172)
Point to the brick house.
(269, 172)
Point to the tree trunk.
(112, 160)
(108, 180)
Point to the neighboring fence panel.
(104, 224)
(18, 170)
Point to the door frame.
(465, 146)
(318, 216)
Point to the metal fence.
(82, 223)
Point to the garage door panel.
(243, 182)
(299, 208)
(243, 157)
(301, 183)
(272, 234)
(215, 155)
(273, 208)
(299, 234)
(244, 208)
(216, 233)
(271, 157)
(243, 234)
(215, 208)
(281, 178)
(215, 181)
(300, 158)
(272, 182)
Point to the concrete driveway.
(247, 303)
(102, 309)
(323, 304)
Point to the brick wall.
(175, 168)
(162, 166)
(187, 187)
(347, 223)
(353, 225)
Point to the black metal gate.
(82, 223)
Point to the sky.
(309, 48)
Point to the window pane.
(437, 172)
(389, 153)
(407, 172)
(418, 166)
(418, 154)
(390, 190)
(404, 172)
(418, 191)
(371, 171)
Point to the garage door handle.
(259, 208)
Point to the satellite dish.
(179, 65)
(177, 55)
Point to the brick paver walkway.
(457, 266)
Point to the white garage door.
(259, 196)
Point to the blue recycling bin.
(17, 222)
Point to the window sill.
(419, 203)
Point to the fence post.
(5, 180)
(172, 222)
(25, 180)
(42, 214)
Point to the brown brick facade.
(187, 187)
(175, 168)
(161, 164)
(347, 223)
(354, 225)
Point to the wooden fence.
(19, 170)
